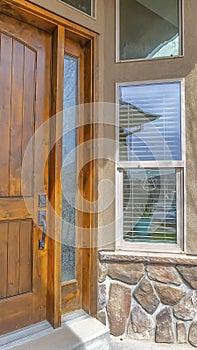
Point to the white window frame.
(121, 244)
(181, 38)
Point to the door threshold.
(71, 317)
(79, 331)
(24, 335)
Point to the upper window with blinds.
(82, 5)
(149, 122)
(150, 165)
(148, 29)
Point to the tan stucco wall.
(182, 67)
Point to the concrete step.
(77, 333)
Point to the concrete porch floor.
(78, 332)
(124, 344)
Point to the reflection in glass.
(149, 198)
(150, 122)
(82, 5)
(149, 28)
(69, 142)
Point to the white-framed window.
(148, 29)
(150, 165)
(86, 6)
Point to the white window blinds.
(149, 201)
(149, 122)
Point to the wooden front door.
(24, 105)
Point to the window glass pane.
(69, 168)
(149, 28)
(82, 5)
(149, 199)
(150, 122)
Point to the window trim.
(117, 43)
(120, 244)
(93, 8)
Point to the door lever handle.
(42, 222)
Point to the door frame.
(57, 27)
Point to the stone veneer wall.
(149, 298)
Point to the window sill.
(149, 59)
(153, 258)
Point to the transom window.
(150, 164)
(149, 28)
(82, 5)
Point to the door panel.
(18, 71)
(16, 262)
(24, 106)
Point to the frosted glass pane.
(149, 28)
(69, 143)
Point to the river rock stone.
(141, 326)
(169, 295)
(101, 316)
(118, 308)
(165, 274)
(164, 327)
(127, 273)
(146, 297)
(101, 296)
(189, 273)
(102, 272)
(181, 332)
(193, 334)
(186, 309)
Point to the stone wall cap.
(153, 258)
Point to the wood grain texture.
(41, 18)
(15, 208)
(72, 291)
(16, 117)
(28, 118)
(13, 259)
(70, 297)
(25, 103)
(36, 65)
(25, 249)
(83, 291)
(5, 88)
(3, 259)
(55, 195)
(17, 94)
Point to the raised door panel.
(17, 96)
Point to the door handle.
(42, 222)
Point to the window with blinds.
(150, 123)
(149, 203)
(150, 163)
